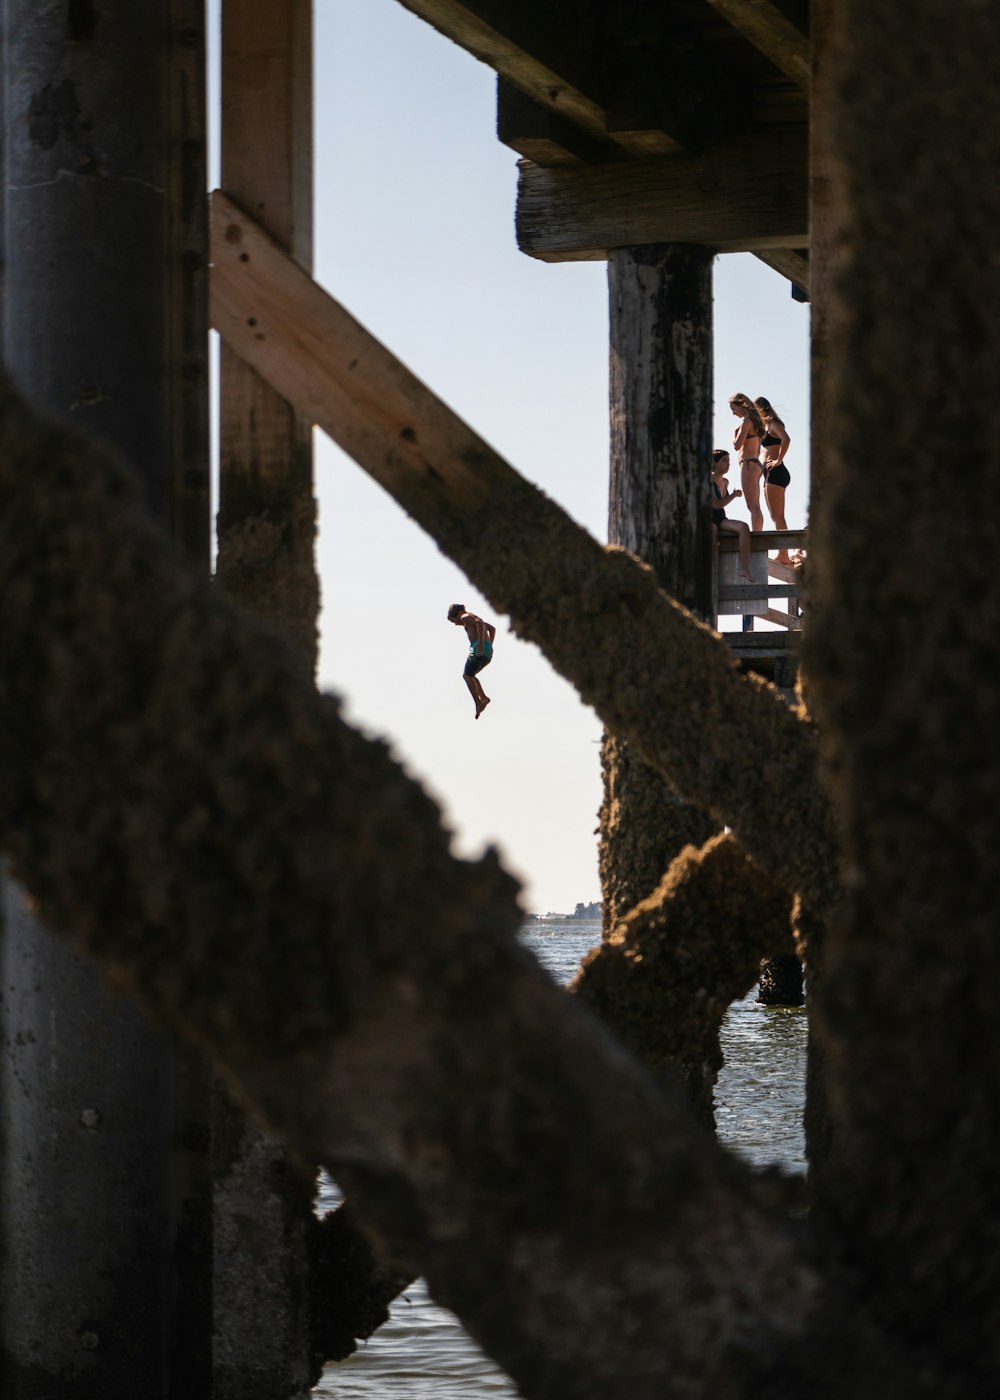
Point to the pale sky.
(414, 234)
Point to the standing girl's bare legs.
(750, 482)
(775, 498)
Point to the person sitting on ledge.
(480, 635)
(723, 496)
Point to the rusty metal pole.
(104, 278)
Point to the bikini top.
(769, 440)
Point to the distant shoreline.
(583, 913)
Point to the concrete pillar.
(103, 322)
(86, 1200)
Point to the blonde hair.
(750, 409)
(767, 409)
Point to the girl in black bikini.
(721, 496)
(774, 444)
(746, 441)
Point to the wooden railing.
(773, 582)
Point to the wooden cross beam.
(542, 50)
(779, 29)
(272, 313)
(792, 263)
(741, 196)
(539, 133)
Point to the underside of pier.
(212, 980)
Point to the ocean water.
(422, 1352)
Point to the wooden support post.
(780, 982)
(661, 414)
(190, 1356)
(267, 514)
(266, 533)
(825, 256)
(897, 652)
(105, 323)
(661, 422)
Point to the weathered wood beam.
(655, 80)
(266, 521)
(187, 323)
(665, 975)
(906, 129)
(792, 263)
(782, 619)
(779, 29)
(191, 1352)
(266, 533)
(660, 324)
(730, 591)
(555, 54)
(538, 133)
(529, 47)
(641, 115)
(766, 540)
(740, 196)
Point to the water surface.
(423, 1352)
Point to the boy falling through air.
(480, 635)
